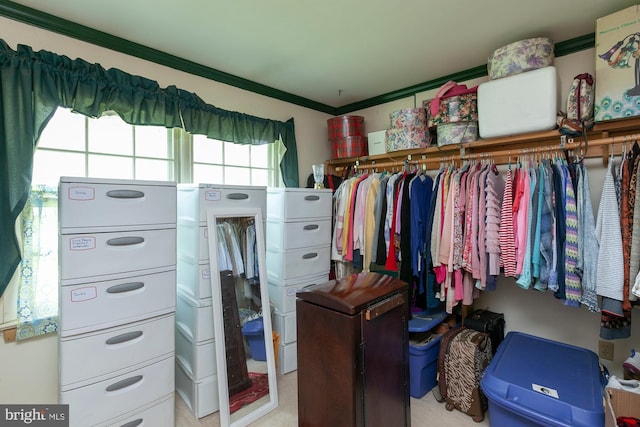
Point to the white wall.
(29, 373)
(531, 311)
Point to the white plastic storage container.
(195, 316)
(297, 234)
(287, 358)
(201, 396)
(283, 293)
(195, 199)
(521, 103)
(282, 265)
(285, 325)
(197, 359)
(159, 413)
(194, 279)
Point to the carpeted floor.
(424, 412)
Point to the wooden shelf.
(600, 140)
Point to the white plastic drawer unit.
(159, 413)
(90, 306)
(104, 400)
(195, 316)
(193, 243)
(92, 357)
(298, 234)
(298, 262)
(283, 293)
(198, 359)
(201, 395)
(99, 254)
(195, 199)
(298, 203)
(92, 202)
(285, 325)
(194, 279)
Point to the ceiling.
(329, 55)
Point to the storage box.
(201, 396)
(457, 133)
(532, 381)
(617, 86)
(526, 102)
(407, 138)
(623, 404)
(375, 142)
(408, 117)
(520, 56)
(423, 352)
(253, 331)
(344, 126)
(349, 146)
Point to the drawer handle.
(133, 423)
(311, 227)
(312, 197)
(237, 196)
(125, 287)
(125, 194)
(128, 336)
(125, 383)
(310, 255)
(125, 241)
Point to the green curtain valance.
(33, 84)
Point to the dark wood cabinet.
(353, 361)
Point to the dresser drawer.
(89, 203)
(93, 357)
(198, 359)
(194, 279)
(195, 200)
(283, 293)
(100, 254)
(201, 396)
(311, 261)
(285, 325)
(104, 400)
(97, 305)
(298, 203)
(195, 316)
(160, 413)
(193, 243)
(298, 234)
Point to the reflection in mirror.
(241, 316)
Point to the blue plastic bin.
(533, 381)
(253, 331)
(423, 358)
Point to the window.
(107, 147)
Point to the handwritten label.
(292, 292)
(82, 243)
(213, 195)
(82, 193)
(206, 274)
(84, 294)
(545, 390)
(206, 233)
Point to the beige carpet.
(424, 412)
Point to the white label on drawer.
(206, 233)
(82, 243)
(84, 294)
(82, 193)
(292, 292)
(545, 390)
(212, 195)
(206, 274)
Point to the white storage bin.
(285, 325)
(297, 234)
(287, 358)
(197, 359)
(104, 400)
(97, 356)
(93, 203)
(160, 413)
(193, 243)
(195, 316)
(283, 265)
(101, 254)
(376, 142)
(298, 203)
(201, 396)
(283, 293)
(521, 103)
(195, 199)
(97, 305)
(194, 278)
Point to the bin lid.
(352, 293)
(424, 322)
(553, 383)
(253, 327)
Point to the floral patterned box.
(457, 133)
(520, 56)
(407, 138)
(416, 117)
(617, 68)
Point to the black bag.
(489, 322)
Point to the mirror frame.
(213, 215)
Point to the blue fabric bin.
(253, 331)
(533, 381)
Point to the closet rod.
(502, 155)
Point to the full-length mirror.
(241, 315)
